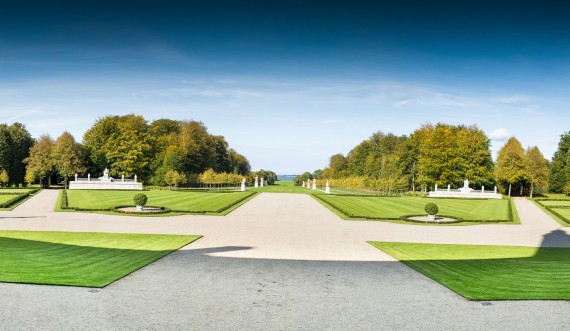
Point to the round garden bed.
(146, 210)
(438, 219)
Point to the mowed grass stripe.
(80, 259)
(7, 197)
(480, 272)
(175, 200)
(396, 207)
(555, 203)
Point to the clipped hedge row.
(551, 209)
(17, 198)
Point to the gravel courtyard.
(281, 261)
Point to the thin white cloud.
(515, 99)
(401, 103)
(500, 135)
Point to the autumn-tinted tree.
(68, 156)
(40, 163)
(129, 148)
(512, 168)
(559, 172)
(4, 178)
(450, 154)
(537, 170)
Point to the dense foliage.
(164, 152)
(559, 173)
(15, 143)
(434, 154)
(439, 154)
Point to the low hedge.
(163, 210)
(551, 209)
(17, 198)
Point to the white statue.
(256, 184)
(314, 183)
(303, 184)
(243, 185)
(261, 181)
(327, 188)
(465, 188)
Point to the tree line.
(163, 152)
(441, 154)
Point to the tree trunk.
(531, 189)
(510, 190)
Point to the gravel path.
(281, 261)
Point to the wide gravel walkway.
(281, 261)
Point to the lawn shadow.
(488, 273)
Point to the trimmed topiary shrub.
(431, 208)
(140, 199)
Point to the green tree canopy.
(537, 170)
(40, 163)
(68, 156)
(512, 167)
(559, 172)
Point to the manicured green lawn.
(7, 197)
(183, 201)
(557, 196)
(283, 186)
(480, 272)
(565, 212)
(396, 207)
(555, 202)
(80, 259)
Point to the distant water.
(286, 177)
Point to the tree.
(4, 178)
(22, 141)
(449, 154)
(559, 174)
(40, 163)
(537, 170)
(511, 166)
(67, 156)
(173, 177)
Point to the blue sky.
(289, 83)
